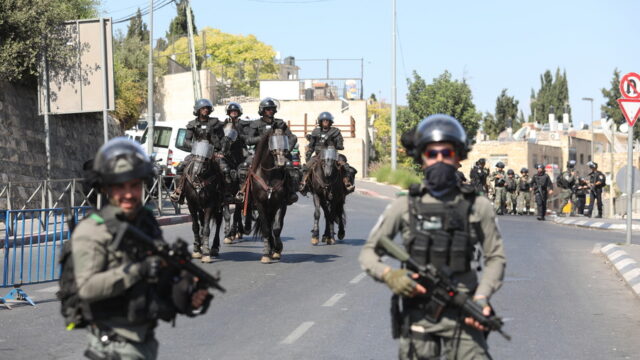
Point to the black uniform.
(597, 181)
(210, 130)
(321, 138)
(235, 152)
(580, 189)
(478, 176)
(541, 184)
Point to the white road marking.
(298, 332)
(333, 300)
(50, 289)
(357, 279)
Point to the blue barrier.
(30, 249)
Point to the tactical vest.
(441, 233)
(500, 182)
(205, 130)
(524, 184)
(566, 180)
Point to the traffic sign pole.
(629, 183)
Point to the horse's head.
(202, 153)
(328, 156)
(279, 146)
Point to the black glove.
(150, 267)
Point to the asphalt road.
(559, 300)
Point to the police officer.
(597, 181)
(542, 187)
(125, 291)
(524, 192)
(581, 189)
(267, 109)
(500, 196)
(511, 187)
(321, 137)
(433, 210)
(566, 181)
(202, 127)
(478, 176)
(234, 150)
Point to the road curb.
(626, 266)
(594, 224)
(372, 193)
(174, 220)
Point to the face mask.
(440, 178)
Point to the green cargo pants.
(500, 201)
(566, 195)
(126, 350)
(524, 202)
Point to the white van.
(168, 143)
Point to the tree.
(446, 96)
(491, 126)
(179, 26)
(382, 127)
(238, 61)
(506, 112)
(372, 97)
(27, 27)
(553, 92)
(138, 29)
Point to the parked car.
(168, 143)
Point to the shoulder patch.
(97, 218)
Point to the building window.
(581, 159)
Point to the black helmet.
(510, 172)
(500, 165)
(441, 128)
(571, 164)
(592, 165)
(539, 166)
(234, 106)
(200, 103)
(120, 160)
(482, 161)
(325, 115)
(268, 103)
(524, 171)
(407, 141)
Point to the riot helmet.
(571, 164)
(268, 103)
(524, 171)
(510, 172)
(325, 115)
(500, 165)
(539, 166)
(201, 103)
(441, 128)
(120, 160)
(592, 165)
(482, 161)
(234, 106)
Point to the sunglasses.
(446, 153)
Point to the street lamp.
(592, 137)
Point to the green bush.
(402, 177)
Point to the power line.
(127, 8)
(144, 12)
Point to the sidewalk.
(622, 258)
(368, 187)
(602, 224)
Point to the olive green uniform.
(106, 277)
(524, 194)
(511, 187)
(498, 180)
(566, 181)
(472, 343)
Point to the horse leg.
(206, 231)
(328, 224)
(315, 231)
(217, 215)
(237, 221)
(277, 229)
(195, 227)
(265, 231)
(340, 218)
(228, 237)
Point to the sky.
(492, 44)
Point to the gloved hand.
(150, 267)
(399, 282)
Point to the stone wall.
(74, 140)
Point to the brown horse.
(203, 191)
(266, 191)
(329, 194)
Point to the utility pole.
(195, 76)
(394, 140)
(151, 119)
(592, 136)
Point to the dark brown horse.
(267, 193)
(329, 194)
(203, 191)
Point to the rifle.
(176, 256)
(441, 291)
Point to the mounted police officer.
(234, 149)
(202, 127)
(542, 187)
(524, 192)
(511, 187)
(267, 109)
(125, 291)
(597, 181)
(321, 137)
(498, 178)
(478, 176)
(566, 181)
(438, 216)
